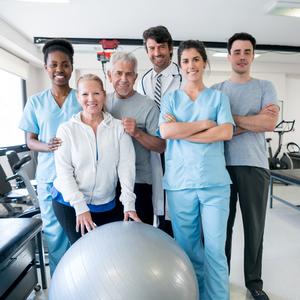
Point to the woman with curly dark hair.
(43, 113)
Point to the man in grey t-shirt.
(139, 115)
(255, 111)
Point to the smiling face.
(192, 65)
(122, 76)
(91, 96)
(59, 68)
(241, 56)
(159, 54)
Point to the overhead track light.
(46, 1)
(284, 8)
(225, 54)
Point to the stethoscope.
(177, 75)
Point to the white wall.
(291, 108)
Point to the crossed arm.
(264, 121)
(205, 131)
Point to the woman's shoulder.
(40, 96)
(215, 97)
(72, 123)
(114, 125)
(178, 93)
(215, 93)
(110, 121)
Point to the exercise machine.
(26, 196)
(294, 153)
(275, 161)
(19, 239)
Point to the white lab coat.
(171, 80)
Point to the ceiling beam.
(139, 42)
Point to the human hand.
(169, 118)
(130, 126)
(84, 222)
(132, 215)
(53, 144)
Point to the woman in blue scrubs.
(196, 120)
(43, 113)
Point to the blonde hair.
(91, 77)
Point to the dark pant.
(67, 218)
(164, 225)
(143, 202)
(250, 186)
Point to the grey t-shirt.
(146, 113)
(248, 149)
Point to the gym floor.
(281, 262)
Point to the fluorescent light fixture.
(284, 8)
(220, 54)
(224, 54)
(45, 1)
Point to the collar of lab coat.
(168, 71)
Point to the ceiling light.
(284, 8)
(220, 54)
(46, 1)
(224, 54)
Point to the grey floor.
(281, 261)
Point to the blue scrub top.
(42, 116)
(191, 165)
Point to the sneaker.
(258, 294)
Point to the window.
(12, 101)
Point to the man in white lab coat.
(159, 47)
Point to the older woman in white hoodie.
(94, 154)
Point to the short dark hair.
(58, 45)
(243, 36)
(158, 33)
(199, 46)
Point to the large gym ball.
(124, 261)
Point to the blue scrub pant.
(56, 239)
(199, 220)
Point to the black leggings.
(143, 202)
(67, 218)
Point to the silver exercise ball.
(124, 261)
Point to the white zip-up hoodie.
(81, 178)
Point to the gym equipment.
(18, 267)
(287, 177)
(13, 158)
(8, 194)
(124, 260)
(294, 153)
(284, 162)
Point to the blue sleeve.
(29, 121)
(224, 114)
(166, 107)
(269, 95)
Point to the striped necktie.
(157, 90)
